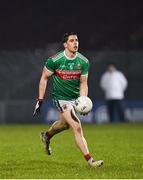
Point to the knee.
(65, 126)
(77, 128)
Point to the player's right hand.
(38, 107)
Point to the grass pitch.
(119, 145)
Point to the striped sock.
(89, 159)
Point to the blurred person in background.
(114, 83)
(69, 70)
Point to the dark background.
(30, 31)
(105, 24)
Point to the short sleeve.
(85, 68)
(49, 64)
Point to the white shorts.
(64, 105)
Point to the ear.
(65, 45)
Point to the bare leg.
(57, 127)
(69, 118)
(75, 124)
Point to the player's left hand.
(37, 107)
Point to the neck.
(70, 54)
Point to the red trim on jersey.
(68, 74)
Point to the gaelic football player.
(69, 70)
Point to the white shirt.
(113, 84)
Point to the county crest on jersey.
(66, 74)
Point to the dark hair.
(66, 36)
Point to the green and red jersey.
(66, 74)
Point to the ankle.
(89, 158)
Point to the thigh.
(61, 123)
(71, 118)
(67, 111)
(63, 105)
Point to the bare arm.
(43, 82)
(83, 85)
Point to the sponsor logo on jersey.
(68, 74)
(78, 66)
(71, 65)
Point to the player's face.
(72, 43)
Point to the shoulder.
(105, 75)
(119, 73)
(57, 56)
(82, 57)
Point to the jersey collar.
(69, 57)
